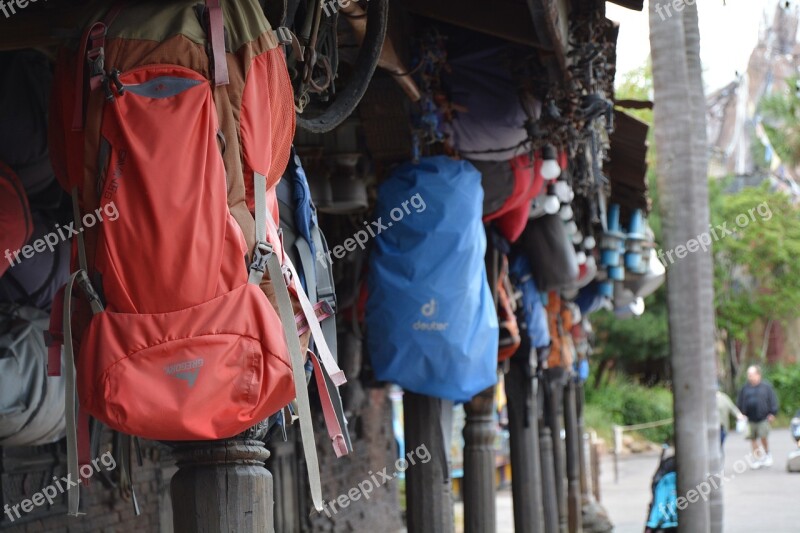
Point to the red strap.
(216, 30)
(331, 420)
(84, 447)
(54, 337)
(77, 110)
(93, 42)
(322, 310)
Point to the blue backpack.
(533, 312)
(663, 512)
(305, 244)
(431, 321)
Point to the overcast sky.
(728, 34)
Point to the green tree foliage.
(757, 274)
(786, 380)
(781, 118)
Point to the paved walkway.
(756, 501)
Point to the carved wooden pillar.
(479, 464)
(429, 498)
(288, 482)
(573, 444)
(523, 426)
(549, 497)
(553, 414)
(586, 493)
(222, 486)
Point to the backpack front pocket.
(173, 243)
(194, 374)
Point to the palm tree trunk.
(683, 189)
(705, 300)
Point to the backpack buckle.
(53, 338)
(88, 289)
(263, 251)
(329, 298)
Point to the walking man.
(758, 402)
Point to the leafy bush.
(626, 403)
(786, 380)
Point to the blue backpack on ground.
(663, 512)
(663, 515)
(533, 311)
(431, 321)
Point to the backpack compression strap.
(332, 380)
(316, 330)
(265, 258)
(216, 38)
(331, 409)
(77, 420)
(77, 426)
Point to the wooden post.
(549, 500)
(573, 444)
(617, 450)
(586, 493)
(479, 464)
(594, 457)
(553, 412)
(288, 483)
(429, 499)
(526, 483)
(222, 486)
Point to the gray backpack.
(31, 403)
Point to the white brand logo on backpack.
(188, 370)
(428, 310)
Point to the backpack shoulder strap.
(325, 290)
(264, 258)
(326, 356)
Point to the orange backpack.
(169, 113)
(510, 339)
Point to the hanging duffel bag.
(31, 402)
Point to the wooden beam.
(546, 20)
(46, 26)
(501, 18)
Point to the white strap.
(299, 373)
(257, 266)
(325, 355)
(265, 258)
